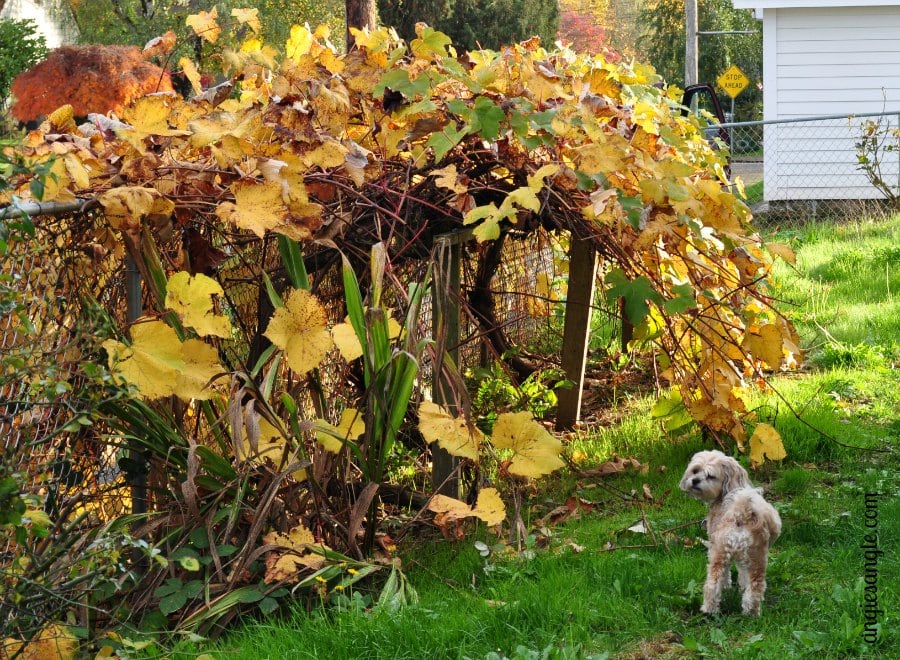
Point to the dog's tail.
(754, 514)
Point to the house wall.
(830, 60)
(48, 24)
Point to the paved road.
(749, 171)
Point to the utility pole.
(691, 68)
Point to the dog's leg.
(716, 571)
(755, 586)
(742, 574)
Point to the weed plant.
(622, 577)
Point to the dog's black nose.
(695, 481)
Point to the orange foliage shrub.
(90, 78)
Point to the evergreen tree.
(473, 24)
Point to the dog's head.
(711, 475)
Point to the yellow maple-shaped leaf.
(765, 344)
(448, 177)
(333, 438)
(287, 566)
(201, 365)
(62, 120)
(535, 450)
(489, 507)
(260, 440)
(600, 158)
(536, 180)
(205, 25)
(346, 340)
(153, 360)
(53, 642)
(257, 206)
(149, 115)
(159, 365)
(299, 42)
(190, 296)
(189, 69)
(765, 443)
(299, 329)
(782, 250)
(452, 434)
(126, 206)
(249, 17)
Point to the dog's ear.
(734, 476)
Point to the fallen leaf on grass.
(612, 466)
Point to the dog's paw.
(708, 608)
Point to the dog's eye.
(695, 470)
(711, 477)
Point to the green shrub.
(21, 46)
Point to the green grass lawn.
(592, 587)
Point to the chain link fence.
(796, 170)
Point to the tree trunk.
(360, 14)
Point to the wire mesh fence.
(810, 168)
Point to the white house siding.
(39, 12)
(826, 60)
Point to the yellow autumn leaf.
(260, 440)
(153, 360)
(257, 206)
(299, 329)
(452, 434)
(489, 507)
(299, 42)
(600, 158)
(448, 177)
(53, 642)
(159, 365)
(765, 443)
(782, 250)
(62, 120)
(205, 25)
(351, 427)
(536, 180)
(535, 450)
(287, 566)
(346, 340)
(190, 296)
(201, 365)
(149, 115)
(765, 344)
(189, 69)
(130, 203)
(248, 17)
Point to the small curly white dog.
(741, 526)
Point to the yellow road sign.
(733, 81)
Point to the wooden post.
(691, 53)
(445, 327)
(582, 283)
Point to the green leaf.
(172, 603)
(292, 257)
(171, 586)
(37, 188)
(632, 207)
(486, 117)
(398, 81)
(443, 141)
(268, 605)
(250, 595)
(635, 293)
(683, 301)
(189, 563)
